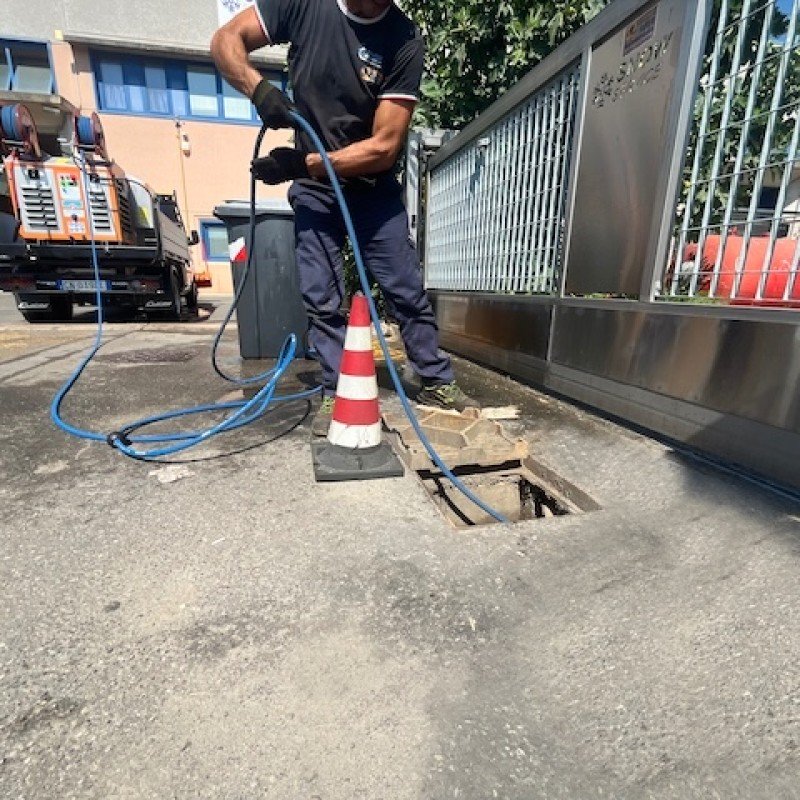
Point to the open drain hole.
(521, 491)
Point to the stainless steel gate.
(622, 226)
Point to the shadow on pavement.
(206, 310)
(287, 419)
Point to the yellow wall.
(215, 169)
(67, 82)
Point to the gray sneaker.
(322, 419)
(448, 396)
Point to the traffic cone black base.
(334, 463)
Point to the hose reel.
(89, 135)
(18, 130)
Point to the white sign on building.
(227, 9)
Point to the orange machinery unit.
(55, 206)
(49, 194)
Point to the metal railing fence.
(743, 155)
(496, 207)
(663, 226)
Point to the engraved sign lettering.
(633, 72)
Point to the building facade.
(169, 117)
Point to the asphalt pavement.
(220, 626)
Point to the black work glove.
(272, 105)
(282, 164)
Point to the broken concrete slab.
(465, 439)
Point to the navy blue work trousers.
(381, 225)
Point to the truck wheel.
(175, 295)
(192, 297)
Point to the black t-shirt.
(341, 65)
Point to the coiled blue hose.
(244, 412)
(8, 123)
(240, 413)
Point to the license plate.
(82, 286)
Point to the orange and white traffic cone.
(355, 449)
(356, 421)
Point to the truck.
(63, 203)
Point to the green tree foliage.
(478, 49)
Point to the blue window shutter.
(155, 79)
(133, 71)
(215, 241)
(6, 69)
(234, 104)
(161, 88)
(25, 66)
(112, 86)
(178, 90)
(203, 91)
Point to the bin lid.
(240, 209)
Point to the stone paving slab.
(465, 439)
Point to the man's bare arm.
(231, 45)
(376, 154)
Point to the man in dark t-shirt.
(355, 68)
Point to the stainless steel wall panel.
(754, 447)
(746, 368)
(625, 136)
(729, 387)
(721, 378)
(514, 324)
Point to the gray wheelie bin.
(270, 307)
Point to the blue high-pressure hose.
(243, 412)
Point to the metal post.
(693, 47)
